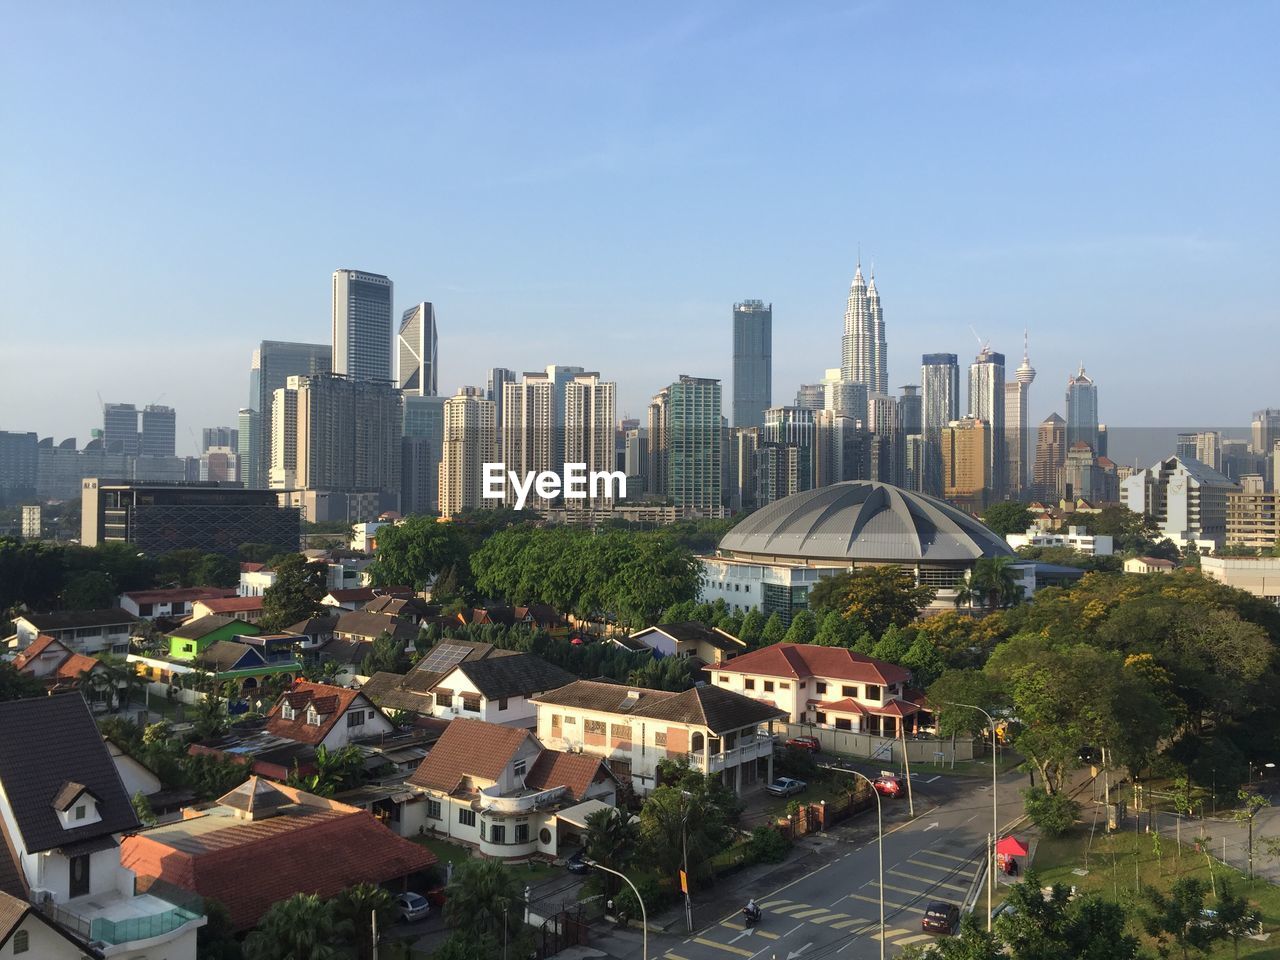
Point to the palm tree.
(994, 583)
(611, 841)
(483, 898)
(354, 908)
(300, 928)
(965, 594)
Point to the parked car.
(805, 743)
(577, 863)
(1090, 755)
(888, 786)
(786, 787)
(940, 917)
(411, 907)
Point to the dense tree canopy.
(1008, 517)
(879, 597)
(415, 552)
(296, 594)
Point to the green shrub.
(1053, 813)
(767, 845)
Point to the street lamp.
(880, 846)
(995, 828)
(644, 916)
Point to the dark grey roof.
(361, 623)
(694, 632)
(48, 742)
(351, 652)
(521, 675)
(863, 520)
(202, 626)
(223, 655)
(716, 708)
(69, 619)
(314, 626)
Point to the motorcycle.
(752, 917)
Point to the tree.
(1179, 917)
(1008, 517)
(416, 551)
(775, 631)
(386, 655)
(216, 940)
(967, 687)
(300, 928)
(752, 626)
(353, 910)
(993, 583)
(1053, 813)
(336, 770)
(296, 593)
(483, 899)
(923, 660)
(1235, 918)
(1052, 926)
(970, 943)
(688, 808)
(803, 628)
(215, 570)
(892, 646)
(90, 590)
(881, 596)
(15, 685)
(611, 841)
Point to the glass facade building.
(362, 325)
(752, 362)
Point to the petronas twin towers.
(865, 356)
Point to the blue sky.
(598, 183)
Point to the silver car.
(411, 907)
(786, 786)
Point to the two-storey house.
(80, 631)
(63, 810)
(174, 603)
(691, 639)
(829, 686)
(716, 731)
(499, 790)
(323, 715)
(497, 689)
(59, 669)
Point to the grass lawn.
(531, 873)
(822, 786)
(1118, 861)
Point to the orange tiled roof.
(804, 660)
(577, 771)
(468, 748)
(330, 702)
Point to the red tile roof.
(179, 594)
(469, 748)
(37, 646)
(896, 708)
(330, 701)
(847, 705)
(804, 660)
(75, 665)
(577, 771)
(321, 847)
(232, 604)
(251, 567)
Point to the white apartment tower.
(864, 354)
(1017, 429)
(469, 443)
(986, 402)
(362, 325)
(589, 436)
(416, 347)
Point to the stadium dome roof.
(864, 520)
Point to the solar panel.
(444, 657)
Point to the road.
(832, 912)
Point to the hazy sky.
(596, 184)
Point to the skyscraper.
(864, 354)
(159, 431)
(219, 437)
(247, 449)
(468, 443)
(966, 463)
(362, 325)
(940, 403)
(986, 402)
(420, 454)
(911, 409)
(1017, 430)
(19, 466)
(659, 461)
(785, 454)
(120, 428)
(589, 434)
(752, 362)
(1051, 452)
(498, 377)
(1082, 410)
(694, 445)
(1264, 430)
(273, 363)
(416, 351)
(845, 397)
(811, 396)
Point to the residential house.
(414, 609)
(714, 730)
(248, 609)
(1149, 565)
(225, 650)
(323, 715)
(63, 810)
(498, 789)
(711, 645)
(255, 579)
(314, 631)
(81, 631)
(192, 638)
(354, 598)
(830, 686)
(367, 627)
(26, 932)
(57, 667)
(264, 842)
(539, 616)
(171, 604)
(497, 689)
(412, 691)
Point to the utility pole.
(995, 808)
(906, 763)
(373, 914)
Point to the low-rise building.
(412, 691)
(829, 686)
(499, 790)
(1257, 575)
(322, 715)
(367, 627)
(1074, 538)
(355, 598)
(171, 604)
(25, 931)
(1149, 565)
(719, 732)
(63, 810)
(497, 690)
(59, 668)
(81, 631)
(248, 609)
(191, 639)
(710, 645)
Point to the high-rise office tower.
(249, 438)
(986, 402)
(498, 377)
(219, 437)
(420, 454)
(273, 363)
(120, 429)
(218, 464)
(744, 442)
(362, 325)
(864, 355)
(846, 397)
(283, 472)
(1051, 452)
(159, 431)
(416, 351)
(659, 460)
(1205, 446)
(752, 362)
(694, 444)
(785, 454)
(348, 435)
(469, 442)
(811, 396)
(1017, 431)
(19, 467)
(940, 403)
(910, 409)
(1082, 410)
(966, 463)
(1264, 430)
(635, 463)
(589, 435)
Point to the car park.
(940, 917)
(786, 787)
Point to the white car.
(411, 907)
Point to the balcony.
(746, 751)
(114, 919)
(520, 803)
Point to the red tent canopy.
(1011, 847)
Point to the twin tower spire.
(864, 354)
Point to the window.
(355, 718)
(873, 691)
(287, 712)
(570, 721)
(21, 942)
(80, 812)
(497, 833)
(519, 767)
(768, 686)
(621, 734)
(820, 687)
(187, 647)
(471, 702)
(522, 833)
(849, 691)
(843, 723)
(313, 717)
(502, 704)
(723, 678)
(784, 686)
(660, 739)
(433, 809)
(822, 717)
(466, 817)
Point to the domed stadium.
(774, 556)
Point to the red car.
(888, 786)
(805, 743)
